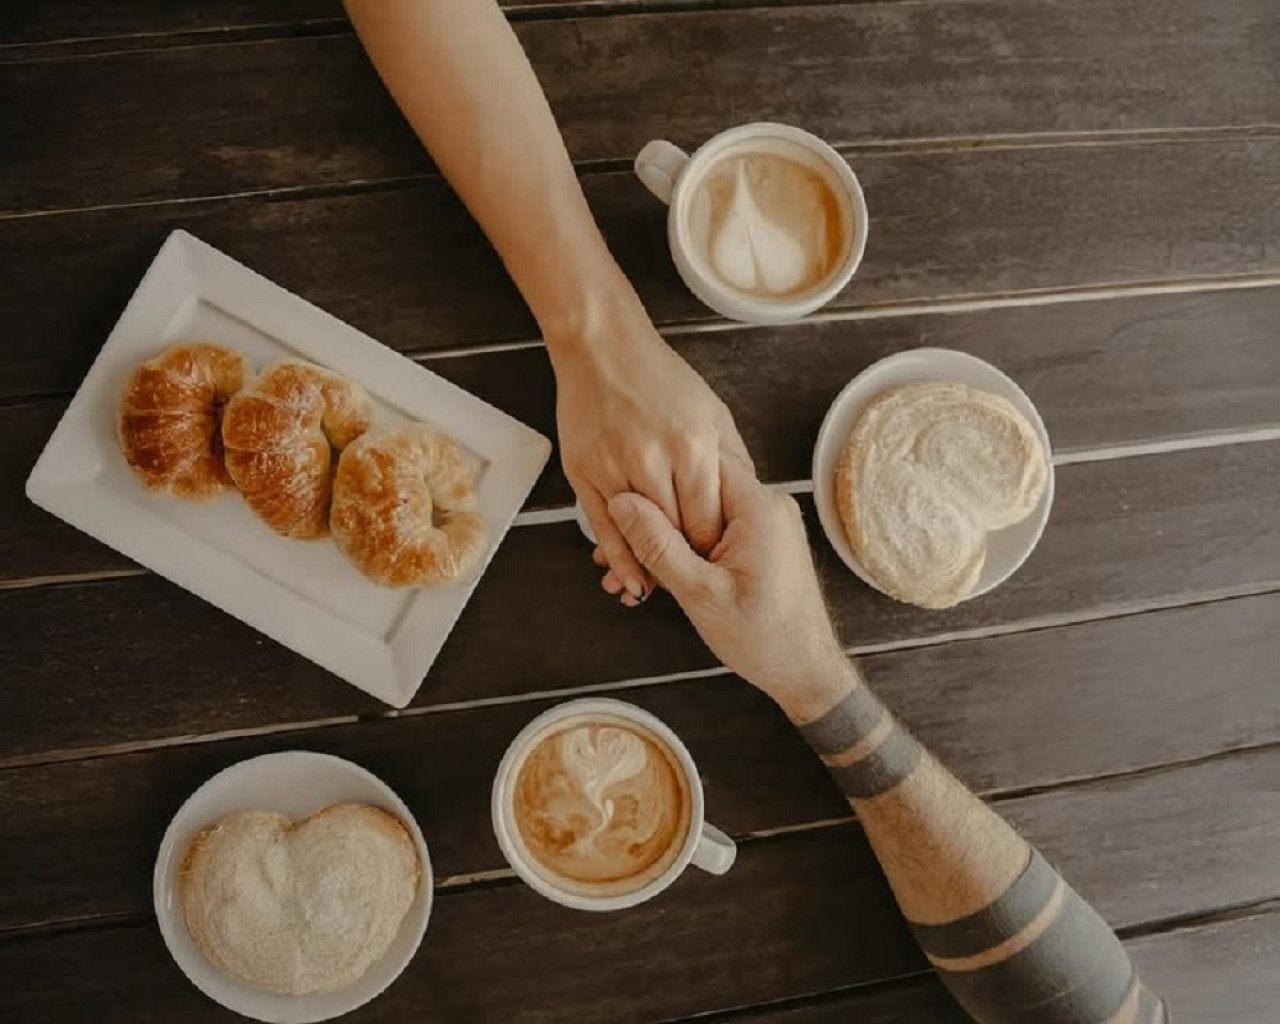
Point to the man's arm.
(1011, 940)
(1007, 935)
(632, 414)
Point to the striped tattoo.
(867, 749)
(1039, 953)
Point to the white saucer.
(1007, 549)
(294, 783)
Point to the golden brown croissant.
(170, 420)
(279, 434)
(404, 508)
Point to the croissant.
(169, 424)
(404, 508)
(927, 471)
(279, 434)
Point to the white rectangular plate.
(300, 593)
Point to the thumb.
(658, 545)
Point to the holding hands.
(635, 417)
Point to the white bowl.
(295, 783)
(1007, 549)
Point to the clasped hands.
(672, 496)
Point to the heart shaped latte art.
(299, 908)
(927, 472)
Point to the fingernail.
(630, 602)
(637, 590)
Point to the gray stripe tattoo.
(1039, 953)
(984, 929)
(846, 724)
(860, 718)
(883, 769)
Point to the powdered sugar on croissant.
(280, 434)
(404, 508)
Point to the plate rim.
(167, 862)
(389, 667)
(824, 488)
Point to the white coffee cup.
(672, 175)
(705, 846)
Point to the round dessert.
(404, 508)
(928, 471)
(170, 420)
(280, 433)
(299, 908)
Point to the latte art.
(602, 806)
(765, 224)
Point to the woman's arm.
(632, 414)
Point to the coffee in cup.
(767, 222)
(601, 805)
(598, 805)
(765, 219)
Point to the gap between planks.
(1060, 621)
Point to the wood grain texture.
(1223, 972)
(1088, 367)
(980, 706)
(411, 268)
(311, 111)
(156, 23)
(141, 659)
(798, 914)
(55, 21)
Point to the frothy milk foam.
(601, 805)
(766, 219)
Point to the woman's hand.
(635, 417)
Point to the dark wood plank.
(799, 914)
(1223, 972)
(76, 20)
(980, 706)
(1226, 973)
(89, 26)
(139, 658)
(1088, 366)
(411, 268)
(939, 69)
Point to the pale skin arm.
(1010, 939)
(632, 414)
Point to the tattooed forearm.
(1016, 952)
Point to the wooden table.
(1086, 193)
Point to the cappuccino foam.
(602, 806)
(766, 219)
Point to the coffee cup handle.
(715, 852)
(658, 165)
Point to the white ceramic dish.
(302, 594)
(295, 783)
(1007, 549)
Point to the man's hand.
(755, 599)
(635, 417)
